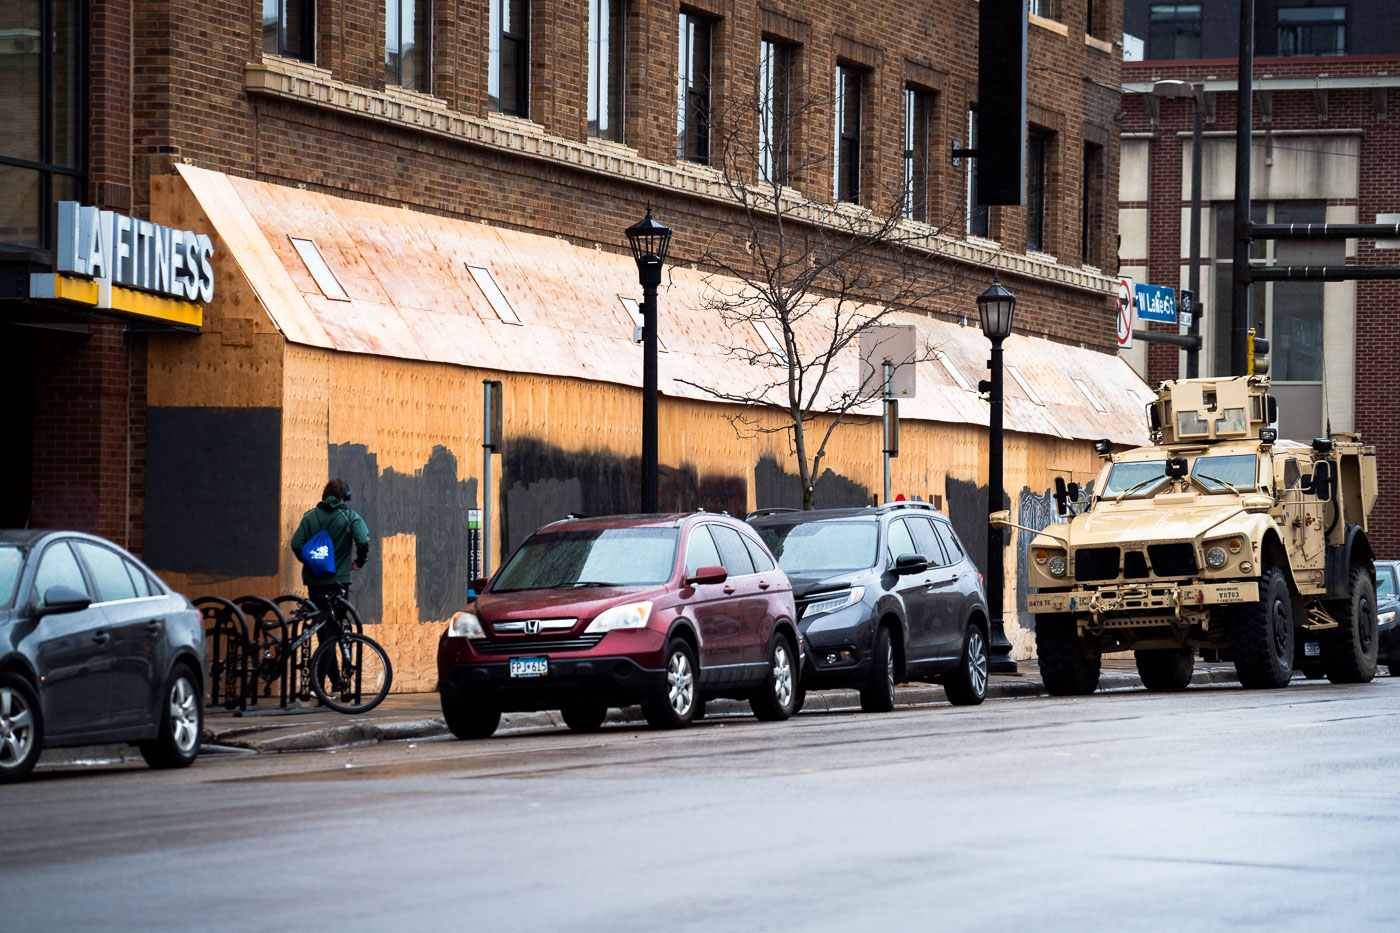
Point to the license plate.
(1311, 649)
(529, 667)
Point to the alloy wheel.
(184, 715)
(682, 683)
(782, 675)
(16, 728)
(977, 661)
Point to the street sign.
(1124, 299)
(1156, 303)
(896, 343)
(1186, 306)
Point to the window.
(850, 82)
(775, 347)
(1318, 30)
(731, 548)
(950, 541)
(1036, 144)
(108, 572)
(1043, 8)
(978, 216)
(607, 51)
(775, 103)
(316, 264)
(289, 28)
(408, 43)
(1091, 208)
(1174, 30)
(494, 296)
(693, 104)
(899, 542)
(927, 541)
(508, 83)
(700, 551)
(917, 107)
(634, 314)
(58, 567)
(762, 563)
(44, 119)
(1289, 314)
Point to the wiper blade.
(1216, 479)
(593, 583)
(1136, 486)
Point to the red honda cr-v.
(661, 610)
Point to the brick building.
(1325, 144)
(165, 419)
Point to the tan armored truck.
(1217, 537)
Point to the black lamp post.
(997, 307)
(649, 239)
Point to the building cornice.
(306, 84)
(1268, 83)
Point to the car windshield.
(1227, 474)
(11, 563)
(1385, 581)
(822, 547)
(597, 557)
(1139, 478)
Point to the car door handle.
(728, 590)
(763, 584)
(100, 638)
(155, 625)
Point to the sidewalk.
(418, 716)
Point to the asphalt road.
(1217, 809)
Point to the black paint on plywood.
(542, 483)
(774, 487)
(431, 504)
(213, 485)
(967, 510)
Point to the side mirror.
(706, 575)
(1061, 496)
(1001, 519)
(910, 563)
(1271, 409)
(1322, 480)
(1073, 490)
(479, 583)
(59, 599)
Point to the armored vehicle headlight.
(1041, 555)
(1215, 557)
(1057, 566)
(1234, 545)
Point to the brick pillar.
(110, 91)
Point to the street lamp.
(649, 239)
(996, 306)
(1197, 93)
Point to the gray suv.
(885, 595)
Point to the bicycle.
(349, 674)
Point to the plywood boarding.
(412, 298)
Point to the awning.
(412, 285)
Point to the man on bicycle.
(345, 528)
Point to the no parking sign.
(1124, 299)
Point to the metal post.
(1244, 125)
(650, 274)
(998, 647)
(1193, 355)
(486, 450)
(889, 373)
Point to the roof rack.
(573, 515)
(904, 504)
(757, 513)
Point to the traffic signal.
(1257, 359)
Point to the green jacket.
(345, 527)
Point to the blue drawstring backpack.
(319, 553)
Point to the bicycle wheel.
(351, 675)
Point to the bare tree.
(808, 277)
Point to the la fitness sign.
(134, 253)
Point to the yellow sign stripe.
(126, 300)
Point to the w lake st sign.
(1155, 303)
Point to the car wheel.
(877, 696)
(673, 706)
(469, 718)
(777, 699)
(1261, 635)
(176, 744)
(1066, 667)
(967, 686)
(584, 715)
(21, 728)
(1349, 651)
(1165, 669)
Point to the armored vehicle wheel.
(1164, 669)
(1066, 667)
(1349, 651)
(1261, 635)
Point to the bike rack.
(232, 662)
(270, 635)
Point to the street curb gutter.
(360, 732)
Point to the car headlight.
(465, 625)
(1386, 618)
(1215, 557)
(632, 615)
(835, 601)
(1057, 566)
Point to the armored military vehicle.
(1216, 537)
